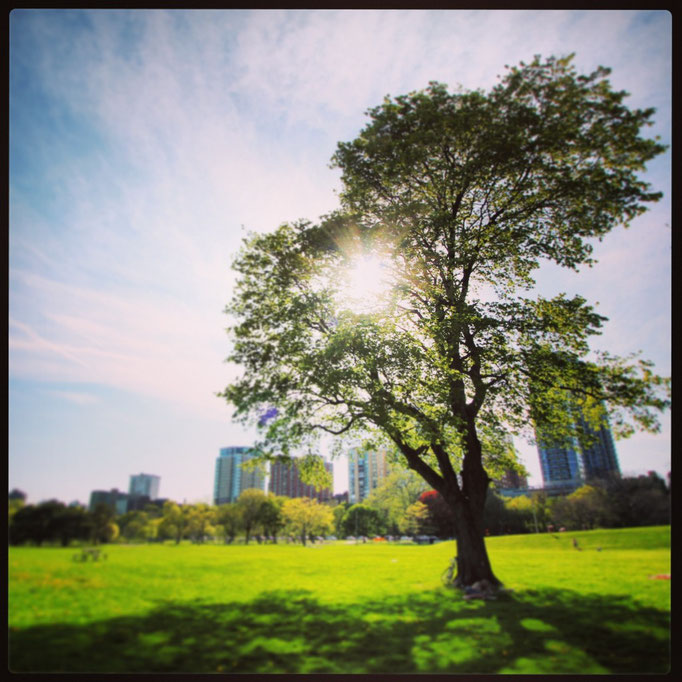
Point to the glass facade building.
(599, 459)
(570, 465)
(144, 485)
(230, 476)
(561, 465)
(366, 471)
(115, 499)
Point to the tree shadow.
(548, 631)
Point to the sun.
(364, 284)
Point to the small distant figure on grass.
(576, 545)
(87, 553)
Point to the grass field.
(339, 608)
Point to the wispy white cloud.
(28, 340)
(144, 344)
(315, 66)
(78, 398)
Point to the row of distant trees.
(53, 522)
(254, 515)
(401, 506)
(611, 503)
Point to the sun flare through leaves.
(364, 284)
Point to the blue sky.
(144, 143)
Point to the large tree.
(451, 201)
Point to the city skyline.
(145, 144)
(563, 466)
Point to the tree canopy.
(306, 517)
(458, 198)
(394, 496)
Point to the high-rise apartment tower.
(569, 465)
(366, 471)
(231, 478)
(285, 480)
(144, 485)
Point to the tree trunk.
(468, 504)
(473, 564)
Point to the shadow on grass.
(292, 632)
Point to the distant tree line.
(52, 522)
(400, 506)
(255, 515)
(610, 503)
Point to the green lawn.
(344, 608)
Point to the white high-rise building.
(145, 484)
